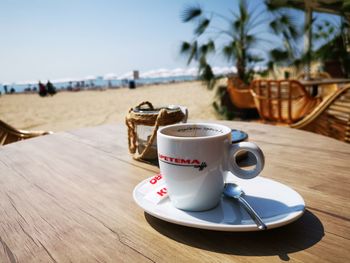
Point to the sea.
(111, 80)
(95, 83)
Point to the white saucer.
(277, 205)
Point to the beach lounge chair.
(9, 134)
(331, 118)
(282, 101)
(326, 90)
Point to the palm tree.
(240, 40)
(285, 26)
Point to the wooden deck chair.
(282, 101)
(331, 118)
(325, 90)
(9, 134)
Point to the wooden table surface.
(67, 197)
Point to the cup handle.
(185, 112)
(249, 147)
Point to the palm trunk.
(241, 67)
(240, 71)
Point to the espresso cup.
(194, 158)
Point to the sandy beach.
(72, 110)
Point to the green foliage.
(285, 26)
(222, 104)
(335, 50)
(190, 13)
(240, 41)
(202, 26)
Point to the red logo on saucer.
(182, 162)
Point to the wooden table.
(67, 197)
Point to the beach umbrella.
(110, 76)
(157, 73)
(148, 74)
(64, 80)
(26, 82)
(90, 77)
(224, 70)
(192, 72)
(178, 72)
(127, 75)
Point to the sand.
(73, 110)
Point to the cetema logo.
(182, 162)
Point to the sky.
(53, 39)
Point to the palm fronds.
(202, 26)
(190, 13)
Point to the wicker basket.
(143, 122)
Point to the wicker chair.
(315, 75)
(240, 94)
(326, 90)
(282, 101)
(331, 118)
(9, 134)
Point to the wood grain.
(67, 197)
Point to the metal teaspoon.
(234, 191)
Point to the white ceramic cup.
(193, 159)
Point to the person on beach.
(51, 90)
(42, 89)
